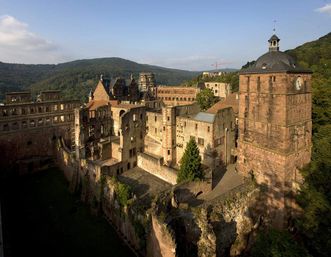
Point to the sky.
(183, 34)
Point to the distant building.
(177, 95)
(146, 81)
(219, 89)
(211, 74)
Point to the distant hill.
(76, 78)
(316, 56)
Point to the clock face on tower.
(298, 83)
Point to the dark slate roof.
(274, 61)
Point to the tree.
(274, 243)
(190, 168)
(315, 196)
(206, 99)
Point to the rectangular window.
(201, 141)
(155, 118)
(196, 126)
(168, 152)
(208, 129)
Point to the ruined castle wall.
(152, 146)
(29, 131)
(160, 242)
(155, 166)
(154, 125)
(66, 161)
(132, 127)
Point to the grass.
(41, 218)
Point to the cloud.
(18, 44)
(325, 9)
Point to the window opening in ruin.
(201, 141)
(168, 152)
(129, 166)
(208, 129)
(196, 126)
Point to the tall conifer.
(190, 168)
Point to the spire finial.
(274, 30)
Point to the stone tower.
(275, 128)
(146, 81)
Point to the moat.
(42, 218)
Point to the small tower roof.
(273, 38)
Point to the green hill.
(76, 78)
(316, 56)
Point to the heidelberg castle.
(265, 129)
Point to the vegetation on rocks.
(274, 243)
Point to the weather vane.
(274, 25)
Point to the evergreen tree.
(190, 168)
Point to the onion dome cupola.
(274, 61)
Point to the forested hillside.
(76, 78)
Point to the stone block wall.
(155, 166)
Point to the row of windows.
(177, 98)
(36, 122)
(35, 109)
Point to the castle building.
(177, 95)
(28, 128)
(220, 89)
(170, 129)
(119, 89)
(275, 127)
(146, 81)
